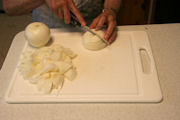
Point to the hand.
(62, 9)
(108, 17)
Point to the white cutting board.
(123, 72)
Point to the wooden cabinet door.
(136, 12)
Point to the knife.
(75, 22)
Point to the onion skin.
(37, 34)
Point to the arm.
(62, 9)
(108, 17)
(18, 7)
(115, 4)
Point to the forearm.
(18, 7)
(114, 4)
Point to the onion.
(37, 34)
(92, 42)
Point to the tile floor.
(9, 27)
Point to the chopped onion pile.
(48, 67)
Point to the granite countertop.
(165, 43)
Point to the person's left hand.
(107, 17)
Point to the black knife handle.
(74, 21)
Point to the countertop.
(165, 43)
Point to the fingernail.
(97, 28)
(110, 42)
(83, 23)
(106, 37)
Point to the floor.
(9, 27)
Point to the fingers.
(113, 36)
(111, 26)
(53, 6)
(110, 20)
(76, 12)
(101, 22)
(94, 23)
(67, 16)
(60, 13)
(56, 6)
(98, 22)
(62, 9)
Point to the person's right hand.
(62, 9)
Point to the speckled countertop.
(165, 43)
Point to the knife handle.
(74, 21)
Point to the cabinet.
(136, 12)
